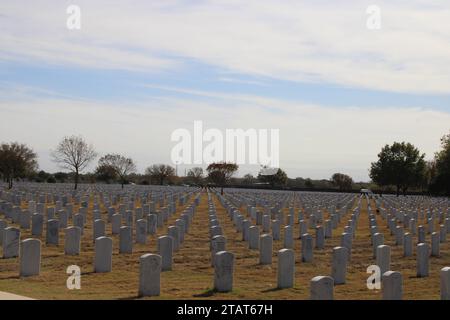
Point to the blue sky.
(136, 71)
(113, 85)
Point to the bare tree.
(121, 165)
(74, 154)
(160, 172)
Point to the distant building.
(366, 192)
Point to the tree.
(16, 161)
(309, 183)
(196, 175)
(74, 154)
(220, 173)
(430, 175)
(61, 176)
(441, 180)
(278, 179)
(105, 173)
(248, 179)
(342, 181)
(400, 165)
(160, 172)
(42, 176)
(118, 164)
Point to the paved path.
(11, 296)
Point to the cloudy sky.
(137, 70)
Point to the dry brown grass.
(192, 275)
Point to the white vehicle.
(366, 192)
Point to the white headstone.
(52, 232)
(116, 222)
(218, 243)
(223, 271)
(286, 268)
(346, 241)
(72, 242)
(103, 254)
(253, 242)
(445, 283)
(265, 249)
(322, 288)
(99, 229)
(266, 223)
(435, 242)
(141, 231)
(126, 240)
(307, 248)
(152, 223)
(377, 240)
(180, 224)
(25, 219)
(174, 232)
(339, 265)
(165, 250)
(30, 257)
(384, 258)
(423, 253)
(150, 275)
(78, 221)
(320, 237)
(407, 245)
(392, 285)
(276, 229)
(63, 218)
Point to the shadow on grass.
(417, 277)
(205, 294)
(271, 290)
(261, 266)
(51, 256)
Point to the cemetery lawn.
(192, 275)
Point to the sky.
(135, 71)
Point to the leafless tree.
(74, 154)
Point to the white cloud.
(305, 41)
(234, 80)
(315, 141)
(289, 40)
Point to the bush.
(51, 180)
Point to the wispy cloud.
(246, 47)
(10, 91)
(240, 81)
(315, 141)
(290, 40)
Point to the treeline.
(143, 179)
(400, 168)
